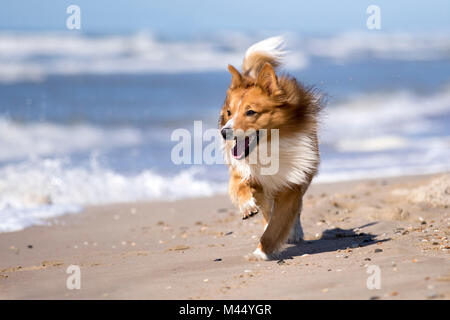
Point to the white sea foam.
(34, 56)
(395, 46)
(28, 140)
(33, 190)
(382, 121)
(386, 134)
(13, 219)
(21, 55)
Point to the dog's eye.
(228, 112)
(250, 113)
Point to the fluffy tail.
(269, 50)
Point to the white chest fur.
(297, 161)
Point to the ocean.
(87, 119)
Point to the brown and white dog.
(259, 100)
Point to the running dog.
(258, 100)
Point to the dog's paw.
(257, 255)
(260, 255)
(249, 209)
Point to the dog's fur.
(277, 102)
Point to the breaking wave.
(33, 57)
(34, 190)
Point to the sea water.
(87, 119)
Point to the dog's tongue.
(240, 148)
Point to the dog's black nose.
(227, 133)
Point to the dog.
(258, 99)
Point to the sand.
(196, 248)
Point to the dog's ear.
(267, 79)
(236, 78)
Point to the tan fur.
(284, 104)
(254, 63)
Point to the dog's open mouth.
(244, 146)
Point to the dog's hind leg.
(285, 211)
(265, 205)
(296, 234)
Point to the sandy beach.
(196, 248)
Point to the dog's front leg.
(250, 198)
(241, 194)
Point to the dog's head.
(251, 105)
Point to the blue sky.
(192, 17)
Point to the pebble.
(378, 250)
